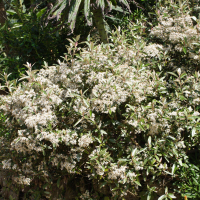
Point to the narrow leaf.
(184, 50)
(173, 74)
(171, 196)
(173, 169)
(162, 197)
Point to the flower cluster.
(179, 34)
(22, 180)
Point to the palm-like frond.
(70, 9)
(126, 4)
(101, 4)
(63, 5)
(87, 12)
(109, 3)
(73, 13)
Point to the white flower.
(174, 113)
(22, 180)
(116, 172)
(6, 164)
(181, 144)
(85, 140)
(86, 195)
(179, 71)
(168, 22)
(153, 50)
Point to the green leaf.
(40, 12)
(184, 50)
(171, 137)
(11, 12)
(77, 39)
(149, 196)
(172, 74)
(149, 141)
(198, 44)
(180, 162)
(131, 107)
(141, 127)
(195, 181)
(103, 132)
(162, 197)
(183, 75)
(173, 169)
(125, 180)
(134, 152)
(193, 132)
(94, 157)
(114, 2)
(58, 182)
(95, 94)
(46, 192)
(175, 152)
(86, 103)
(170, 195)
(185, 165)
(90, 112)
(122, 161)
(182, 98)
(137, 182)
(78, 122)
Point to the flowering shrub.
(175, 40)
(104, 125)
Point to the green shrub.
(104, 125)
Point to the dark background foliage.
(24, 38)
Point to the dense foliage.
(115, 121)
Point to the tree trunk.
(98, 19)
(2, 13)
